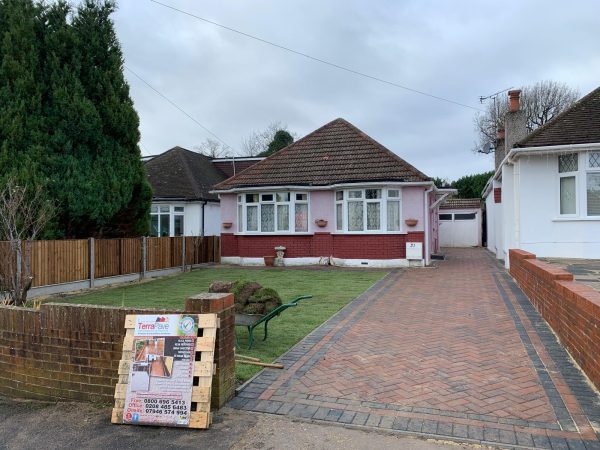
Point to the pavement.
(32, 425)
(456, 352)
(585, 271)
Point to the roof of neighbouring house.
(461, 203)
(184, 175)
(338, 152)
(579, 124)
(233, 166)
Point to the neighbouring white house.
(545, 194)
(181, 180)
(337, 197)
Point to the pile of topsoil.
(250, 297)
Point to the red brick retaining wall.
(570, 308)
(72, 352)
(346, 246)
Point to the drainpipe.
(202, 229)
(426, 213)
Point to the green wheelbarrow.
(251, 321)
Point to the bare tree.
(258, 141)
(541, 103)
(212, 147)
(24, 214)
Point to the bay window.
(270, 212)
(367, 210)
(593, 184)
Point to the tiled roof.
(580, 124)
(182, 174)
(227, 166)
(338, 152)
(461, 203)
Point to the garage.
(460, 222)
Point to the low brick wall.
(570, 308)
(72, 352)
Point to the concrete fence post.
(19, 262)
(223, 384)
(92, 260)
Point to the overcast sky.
(460, 50)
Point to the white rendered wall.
(490, 222)
(542, 230)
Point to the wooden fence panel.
(114, 257)
(55, 262)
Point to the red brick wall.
(346, 246)
(498, 195)
(72, 352)
(570, 308)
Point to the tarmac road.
(36, 425)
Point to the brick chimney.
(515, 125)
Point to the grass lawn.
(331, 288)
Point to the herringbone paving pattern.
(455, 351)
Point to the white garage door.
(459, 229)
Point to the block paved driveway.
(454, 352)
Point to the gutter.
(516, 152)
(321, 188)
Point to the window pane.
(567, 195)
(594, 159)
(593, 194)
(164, 209)
(251, 198)
(373, 193)
(339, 195)
(153, 225)
(373, 216)
(395, 193)
(355, 194)
(240, 219)
(154, 209)
(355, 216)
(567, 163)
(283, 217)
(164, 224)
(267, 197)
(445, 216)
(339, 219)
(267, 218)
(466, 216)
(252, 218)
(178, 208)
(301, 197)
(178, 225)
(393, 216)
(283, 196)
(301, 217)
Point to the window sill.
(274, 233)
(369, 232)
(577, 219)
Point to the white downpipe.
(426, 212)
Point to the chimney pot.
(514, 100)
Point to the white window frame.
(562, 175)
(589, 169)
(171, 213)
(383, 219)
(291, 204)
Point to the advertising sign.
(159, 390)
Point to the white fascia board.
(321, 188)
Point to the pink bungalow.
(335, 197)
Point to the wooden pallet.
(204, 369)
